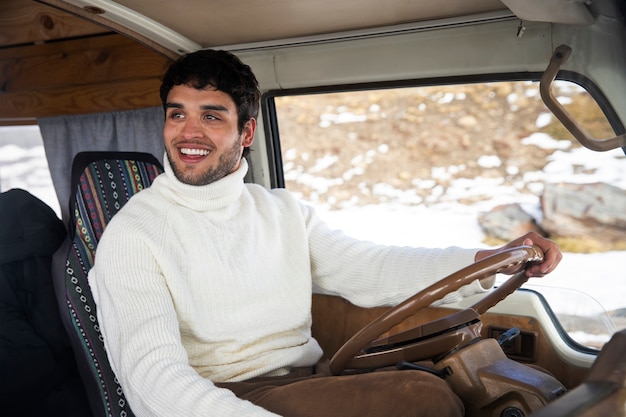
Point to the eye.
(175, 114)
(210, 116)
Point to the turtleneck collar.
(202, 197)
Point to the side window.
(448, 165)
(23, 164)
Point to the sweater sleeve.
(370, 275)
(142, 336)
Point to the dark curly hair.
(221, 70)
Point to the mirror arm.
(560, 55)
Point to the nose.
(191, 129)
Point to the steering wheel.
(440, 336)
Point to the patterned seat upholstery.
(102, 182)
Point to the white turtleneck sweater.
(203, 284)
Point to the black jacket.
(38, 373)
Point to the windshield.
(449, 165)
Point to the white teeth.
(193, 151)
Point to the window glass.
(23, 164)
(422, 166)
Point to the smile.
(194, 151)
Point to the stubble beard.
(225, 165)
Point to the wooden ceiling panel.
(27, 22)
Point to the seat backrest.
(102, 182)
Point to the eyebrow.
(216, 107)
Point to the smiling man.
(202, 138)
(204, 283)
(205, 130)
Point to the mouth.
(194, 152)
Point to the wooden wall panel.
(78, 76)
(56, 63)
(110, 58)
(26, 106)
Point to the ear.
(247, 134)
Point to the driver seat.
(102, 183)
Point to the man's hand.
(551, 254)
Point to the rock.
(467, 121)
(595, 210)
(508, 222)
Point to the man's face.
(201, 137)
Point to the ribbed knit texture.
(213, 283)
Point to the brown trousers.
(304, 393)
